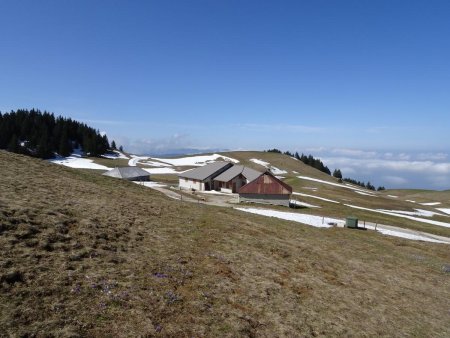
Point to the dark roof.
(266, 184)
(127, 172)
(206, 171)
(249, 173)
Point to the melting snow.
(274, 170)
(347, 186)
(410, 201)
(404, 234)
(303, 204)
(317, 197)
(260, 162)
(75, 161)
(114, 155)
(195, 160)
(430, 221)
(364, 193)
(322, 222)
(418, 212)
(393, 196)
(151, 184)
(315, 221)
(157, 171)
(447, 211)
(430, 203)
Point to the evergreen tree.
(337, 173)
(113, 144)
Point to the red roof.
(266, 184)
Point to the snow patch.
(114, 155)
(393, 196)
(260, 162)
(151, 184)
(317, 197)
(364, 193)
(195, 161)
(430, 203)
(347, 186)
(303, 204)
(429, 221)
(160, 171)
(404, 234)
(315, 221)
(74, 161)
(410, 201)
(444, 210)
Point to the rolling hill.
(88, 255)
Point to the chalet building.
(202, 178)
(129, 173)
(234, 178)
(266, 189)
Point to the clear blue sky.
(236, 74)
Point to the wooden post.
(376, 226)
(364, 224)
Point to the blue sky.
(371, 76)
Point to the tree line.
(318, 164)
(41, 134)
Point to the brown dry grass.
(87, 255)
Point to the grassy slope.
(84, 254)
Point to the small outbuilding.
(234, 178)
(202, 178)
(266, 189)
(129, 173)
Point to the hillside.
(319, 193)
(88, 255)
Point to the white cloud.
(396, 180)
(432, 156)
(354, 152)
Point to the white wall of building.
(188, 184)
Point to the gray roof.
(206, 171)
(249, 173)
(127, 172)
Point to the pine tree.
(113, 145)
(337, 173)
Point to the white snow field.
(160, 171)
(195, 160)
(260, 162)
(346, 186)
(76, 161)
(322, 222)
(303, 204)
(150, 184)
(274, 170)
(166, 163)
(317, 197)
(444, 210)
(315, 221)
(423, 220)
(417, 212)
(115, 154)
